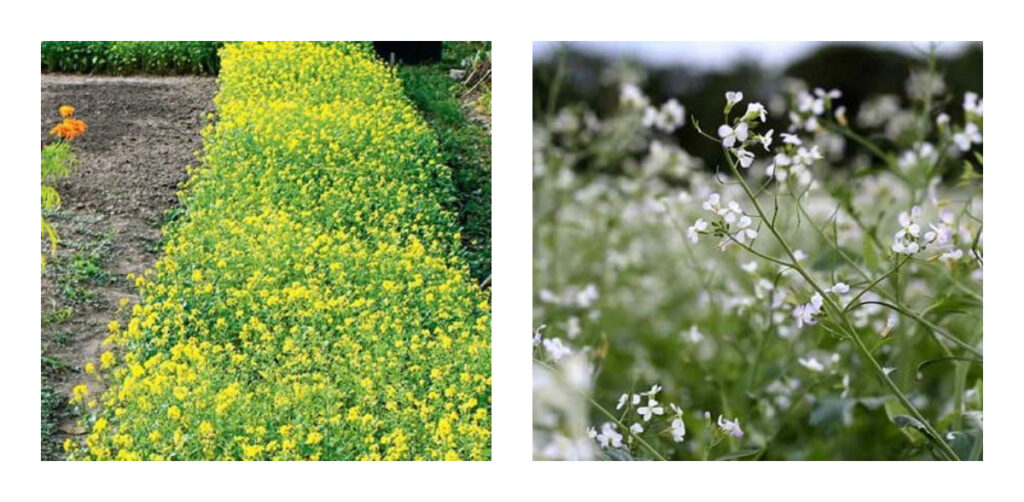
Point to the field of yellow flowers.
(313, 302)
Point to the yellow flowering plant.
(314, 302)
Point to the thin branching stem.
(945, 450)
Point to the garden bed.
(142, 133)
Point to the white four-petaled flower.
(730, 135)
(652, 408)
(746, 158)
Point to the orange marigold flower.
(69, 129)
(66, 111)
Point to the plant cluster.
(465, 144)
(130, 57)
(58, 159)
(313, 302)
(835, 312)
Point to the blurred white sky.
(717, 54)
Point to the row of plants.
(131, 57)
(314, 301)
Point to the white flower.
(622, 401)
(805, 314)
(555, 349)
(636, 429)
(679, 430)
(840, 114)
(746, 158)
(712, 203)
(670, 116)
(799, 255)
(650, 410)
(942, 120)
(749, 267)
(631, 95)
(887, 370)
(807, 157)
(972, 104)
(969, 135)
(766, 139)
(791, 139)
(730, 135)
(833, 94)
(608, 436)
(650, 116)
(840, 288)
(732, 427)
(807, 103)
(731, 98)
(756, 110)
(905, 241)
(636, 399)
(693, 233)
(812, 364)
(655, 389)
(953, 255)
(675, 409)
(745, 233)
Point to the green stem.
(608, 414)
(835, 310)
(924, 322)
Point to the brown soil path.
(142, 133)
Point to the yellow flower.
(79, 392)
(66, 111)
(107, 360)
(90, 368)
(331, 289)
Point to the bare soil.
(143, 132)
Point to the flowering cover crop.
(313, 302)
(818, 296)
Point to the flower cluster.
(666, 118)
(740, 134)
(814, 327)
(730, 223)
(313, 303)
(69, 127)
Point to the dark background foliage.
(859, 70)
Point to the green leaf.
(963, 443)
(907, 424)
(617, 454)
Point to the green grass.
(465, 147)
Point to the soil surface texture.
(142, 133)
